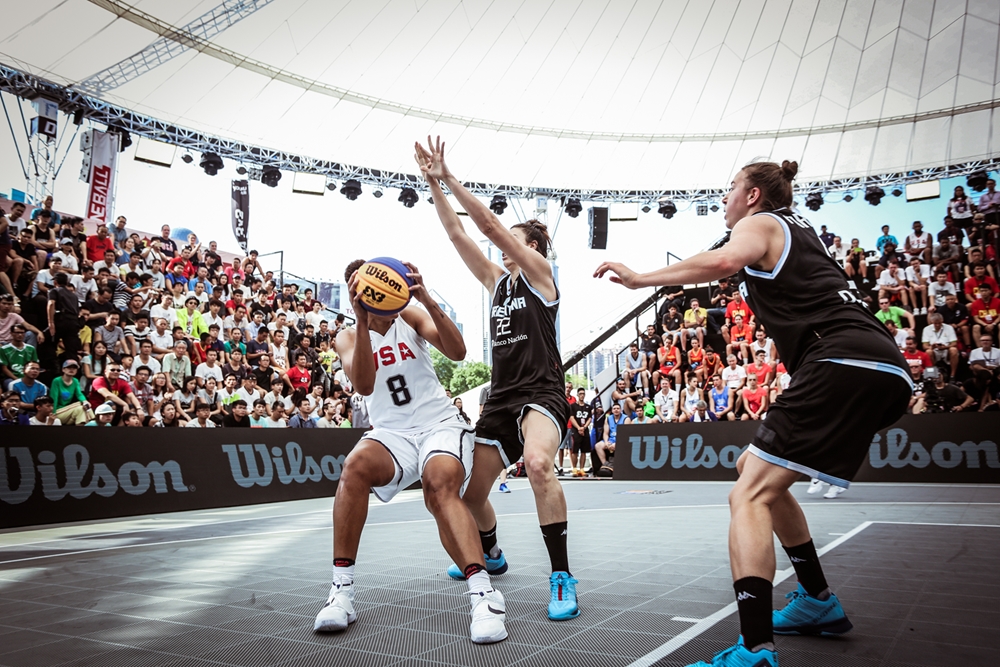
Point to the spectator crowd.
(936, 295)
(118, 329)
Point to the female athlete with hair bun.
(845, 368)
(527, 411)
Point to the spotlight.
(573, 207)
(409, 197)
(874, 194)
(701, 209)
(331, 186)
(430, 200)
(645, 208)
(814, 200)
(351, 189)
(211, 163)
(714, 208)
(187, 158)
(848, 197)
(241, 170)
(78, 117)
(377, 194)
(896, 192)
(977, 180)
(270, 176)
(126, 140)
(667, 209)
(498, 204)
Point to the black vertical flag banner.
(241, 212)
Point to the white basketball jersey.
(407, 394)
(754, 346)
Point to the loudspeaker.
(598, 218)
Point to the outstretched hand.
(621, 274)
(431, 160)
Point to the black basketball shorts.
(824, 423)
(581, 443)
(500, 423)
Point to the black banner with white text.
(956, 448)
(60, 474)
(241, 212)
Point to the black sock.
(489, 542)
(807, 568)
(555, 541)
(753, 598)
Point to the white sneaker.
(489, 611)
(815, 487)
(338, 612)
(834, 491)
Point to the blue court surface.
(916, 567)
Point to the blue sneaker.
(805, 615)
(503, 488)
(741, 656)
(563, 606)
(493, 567)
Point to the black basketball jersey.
(526, 359)
(810, 307)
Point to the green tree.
(443, 367)
(577, 381)
(468, 375)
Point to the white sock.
(343, 575)
(480, 582)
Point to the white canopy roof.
(553, 93)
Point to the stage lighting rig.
(874, 194)
(498, 204)
(573, 207)
(211, 163)
(667, 209)
(351, 189)
(270, 176)
(814, 200)
(409, 197)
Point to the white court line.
(707, 623)
(685, 619)
(395, 523)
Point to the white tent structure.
(588, 94)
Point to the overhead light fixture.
(430, 200)
(573, 207)
(896, 192)
(814, 200)
(409, 197)
(331, 185)
(241, 170)
(78, 117)
(714, 208)
(351, 189)
(498, 204)
(187, 158)
(848, 197)
(645, 208)
(977, 180)
(270, 175)
(125, 139)
(667, 209)
(701, 209)
(377, 194)
(874, 194)
(211, 163)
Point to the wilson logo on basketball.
(383, 277)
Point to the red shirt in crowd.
(189, 270)
(753, 399)
(300, 378)
(119, 388)
(739, 334)
(740, 308)
(973, 283)
(987, 312)
(760, 372)
(96, 247)
(924, 358)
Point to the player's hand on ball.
(417, 289)
(621, 274)
(360, 314)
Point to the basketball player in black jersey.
(527, 411)
(849, 380)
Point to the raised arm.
(485, 271)
(433, 325)
(355, 347)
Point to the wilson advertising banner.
(956, 448)
(103, 162)
(76, 474)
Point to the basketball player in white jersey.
(418, 434)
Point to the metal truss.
(117, 118)
(205, 27)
